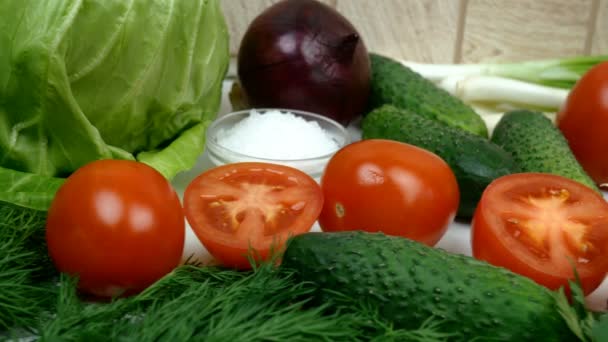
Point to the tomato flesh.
(250, 209)
(540, 226)
(118, 225)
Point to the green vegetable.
(560, 72)
(198, 304)
(409, 282)
(499, 91)
(588, 326)
(600, 330)
(180, 154)
(91, 79)
(395, 84)
(536, 85)
(27, 190)
(537, 145)
(25, 268)
(475, 161)
(213, 304)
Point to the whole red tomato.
(118, 225)
(584, 119)
(540, 226)
(391, 187)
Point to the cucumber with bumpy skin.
(475, 161)
(537, 145)
(394, 83)
(409, 282)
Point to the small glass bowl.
(314, 167)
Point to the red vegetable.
(391, 187)
(118, 225)
(583, 121)
(540, 226)
(302, 54)
(242, 208)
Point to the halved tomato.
(250, 209)
(542, 226)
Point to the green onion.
(500, 90)
(559, 73)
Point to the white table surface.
(456, 239)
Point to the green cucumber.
(394, 83)
(537, 145)
(475, 161)
(409, 282)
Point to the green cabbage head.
(82, 80)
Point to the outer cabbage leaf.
(179, 155)
(82, 80)
(28, 190)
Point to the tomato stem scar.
(340, 211)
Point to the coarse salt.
(277, 135)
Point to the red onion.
(303, 54)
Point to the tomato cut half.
(250, 209)
(541, 226)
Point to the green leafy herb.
(213, 304)
(600, 329)
(25, 268)
(582, 322)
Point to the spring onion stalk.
(500, 90)
(491, 114)
(560, 73)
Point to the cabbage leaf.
(27, 190)
(82, 80)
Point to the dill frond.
(25, 268)
(208, 304)
(190, 303)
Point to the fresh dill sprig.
(599, 332)
(214, 304)
(373, 327)
(72, 319)
(25, 267)
(262, 306)
(199, 304)
(587, 325)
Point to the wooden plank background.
(457, 31)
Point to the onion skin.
(303, 54)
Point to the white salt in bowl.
(303, 140)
